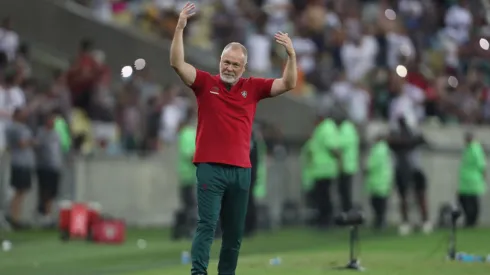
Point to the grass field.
(303, 252)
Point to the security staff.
(185, 218)
(324, 167)
(379, 179)
(471, 179)
(349, 151)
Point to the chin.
(227, 79)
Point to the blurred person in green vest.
(471, 179)
(379, 179)
(258, 186)
(324, 145)
(187, 176)
(349, 150)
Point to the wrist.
(292, 55)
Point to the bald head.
(236, 47)
(232, 63)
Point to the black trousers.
(345, 191)
(323, 202)
(188, 197)
(471, 209)
(378, 204)
(251, 218)
(408, 179)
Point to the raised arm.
(290, 75)
(186, 71)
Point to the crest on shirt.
(244, 94)
(215, 89)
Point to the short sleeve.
(263, 86)
(200, 81)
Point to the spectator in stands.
(359, 52)
(173, 111)
(10, 99)
(9, 42)
(225, 26)
(260, 48)
(20, 142)
(83, 75)
(14, 96)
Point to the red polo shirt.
(224, 123)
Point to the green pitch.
(302, 251)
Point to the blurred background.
(102, 66)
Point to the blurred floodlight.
(139, 64)
(452, 81)
(390, 14)
(401, 71)
(484, 44)
(126, 71)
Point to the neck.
(228, 85)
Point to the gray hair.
(236, 46)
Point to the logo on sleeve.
(244, 94)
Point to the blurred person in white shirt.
(172, 114)
(9, 39)
(359, 52)
(354, 97)
(278, 15)
(405, 139)
(459, 21)
(400, 46)
(260, 48)
(306, 51)
(11, 98)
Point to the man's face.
(232, 65)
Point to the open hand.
(187, 12)
(283, 39)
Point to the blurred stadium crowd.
(360, 53)
(349, 51)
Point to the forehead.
(233, 55)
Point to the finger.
(279, 36)
(189, 7)
(282, 38)
(280, 42)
